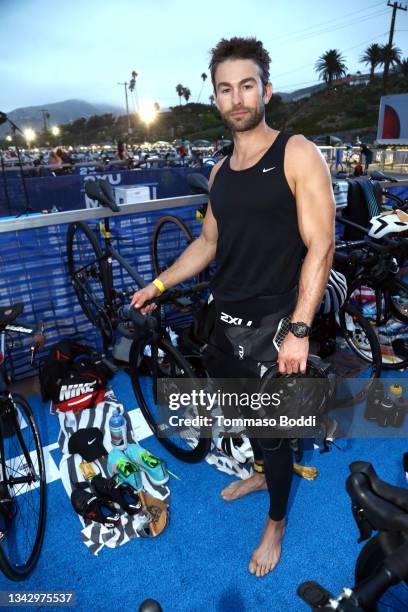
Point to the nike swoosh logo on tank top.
(268, 169)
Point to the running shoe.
(150, 464)
(124, 470)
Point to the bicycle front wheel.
(152, 364)
(89, 275)
(22, 489)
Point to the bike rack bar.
(33, 221)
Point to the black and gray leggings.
(224, 361)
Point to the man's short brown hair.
(240, 48)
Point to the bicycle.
(22, 469)
(377, 292)
(383, 561)
(90, 269)
(90, 266)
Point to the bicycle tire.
(371, 356)
(400, 311)
(173, 226)
(94, 299)
(12, 569)
(370, 558)
(390, 360)
(186, 453)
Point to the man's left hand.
(292, 356)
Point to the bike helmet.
(335, 293)
(300, 395)
(384, 225)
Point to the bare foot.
(239, 488)
(267, 555)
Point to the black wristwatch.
(300, 329)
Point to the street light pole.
(127, 107)
(45, 115)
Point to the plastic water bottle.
(117, 428)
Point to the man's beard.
(254, 118)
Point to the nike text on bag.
(73, 376)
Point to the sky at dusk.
(52, 51)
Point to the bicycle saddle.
(9, 314)
(198, 182)
(383, 506)
(101, 191)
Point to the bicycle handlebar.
(174, 294)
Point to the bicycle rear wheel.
(23, 489)
(387, 311)
(170, 238)
(89, 275)
(151, 364)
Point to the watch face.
(300, 329)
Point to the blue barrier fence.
(67, 192)
(33, 270)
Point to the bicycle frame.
(111, 253)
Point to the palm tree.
(211, 99)
(180, 91)
(390, 56)
(186, 94)
(331, 66)
(403, 65)
(204, 77)
(372, 57)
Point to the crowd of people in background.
(181, 153)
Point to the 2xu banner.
(284, 407)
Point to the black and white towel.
(94, 535)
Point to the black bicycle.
(22, 469)
(153, 355)
(383, 561)
(91, 267)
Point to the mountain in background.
(60, 113)
(299, 94)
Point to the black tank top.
(259, 249)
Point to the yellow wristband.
(157, 283)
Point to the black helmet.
(307, 395)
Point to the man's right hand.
(141, 296)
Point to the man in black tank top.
(270, 227)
